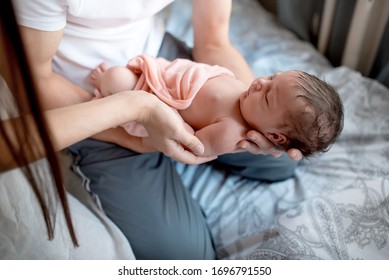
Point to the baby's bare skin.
(219, 124)
(214, 113)
(223, 112)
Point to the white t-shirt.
(112, 31)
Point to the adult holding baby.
(139, 187)
(35, 210)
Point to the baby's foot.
(96, 74)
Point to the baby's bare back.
(215, 115)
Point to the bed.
(337, 205)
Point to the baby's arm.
(221, 137)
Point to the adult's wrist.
(146, 104)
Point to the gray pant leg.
(144, 196)
(258, 167)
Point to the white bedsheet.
(337, 205)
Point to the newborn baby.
(292, 109)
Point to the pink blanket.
(176, 83)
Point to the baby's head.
(319, 121)
(294, 110)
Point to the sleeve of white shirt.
(46, 15)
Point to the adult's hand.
(259, 144)
(168, 133)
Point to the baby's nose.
(264, 80)
(261, 83)
(257, 87)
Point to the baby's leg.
(112, 80)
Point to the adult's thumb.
(193, 144)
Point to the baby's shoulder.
(220, 86)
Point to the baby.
(292, 109)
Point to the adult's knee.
(166, 225)
(144, 196)
(172, 243)
(259, 167)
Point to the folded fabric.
(176, 83)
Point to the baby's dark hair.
(315, 128)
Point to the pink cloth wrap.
(176, 83)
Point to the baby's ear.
(276, 137)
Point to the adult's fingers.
(253, 148)
(263, 146)
(191, 142)
(295, 154)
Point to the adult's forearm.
(226, 56)
(55, 91)
(69, 125)
(211, 24)
(120, 137)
